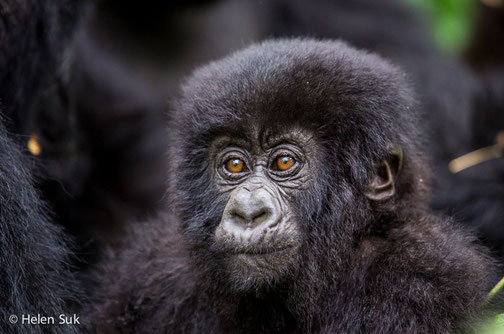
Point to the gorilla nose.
(250, 215)
(250, 209)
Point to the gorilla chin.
(258, 270)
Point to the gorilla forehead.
(314, 83)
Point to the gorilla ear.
(382, 182)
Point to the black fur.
(35, 276)
(34, 271)
(381, 267)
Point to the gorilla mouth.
(259, 265)
(259, 252)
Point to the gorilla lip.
(264, 251)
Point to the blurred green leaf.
(452, 21)
(499, 319)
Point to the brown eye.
(235, 165)
(285, 163)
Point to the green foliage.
(499, 319)
(452, 21)
(493, 327)
(496, 325)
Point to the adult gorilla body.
(300, 199)
(34, 276)
(34, 273)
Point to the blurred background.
(160, 43)
(453, 21)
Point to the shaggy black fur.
(34, 270)
(363, 267)
(34, 274)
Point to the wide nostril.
(261, 216)
(240, 216)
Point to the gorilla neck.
(273, 308)
(248, 309)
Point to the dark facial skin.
(257, 232)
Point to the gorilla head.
(291, 148)
(299, 191)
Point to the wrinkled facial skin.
(258, 235)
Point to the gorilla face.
(280, 158)
(258, 234)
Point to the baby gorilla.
(299, 206)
